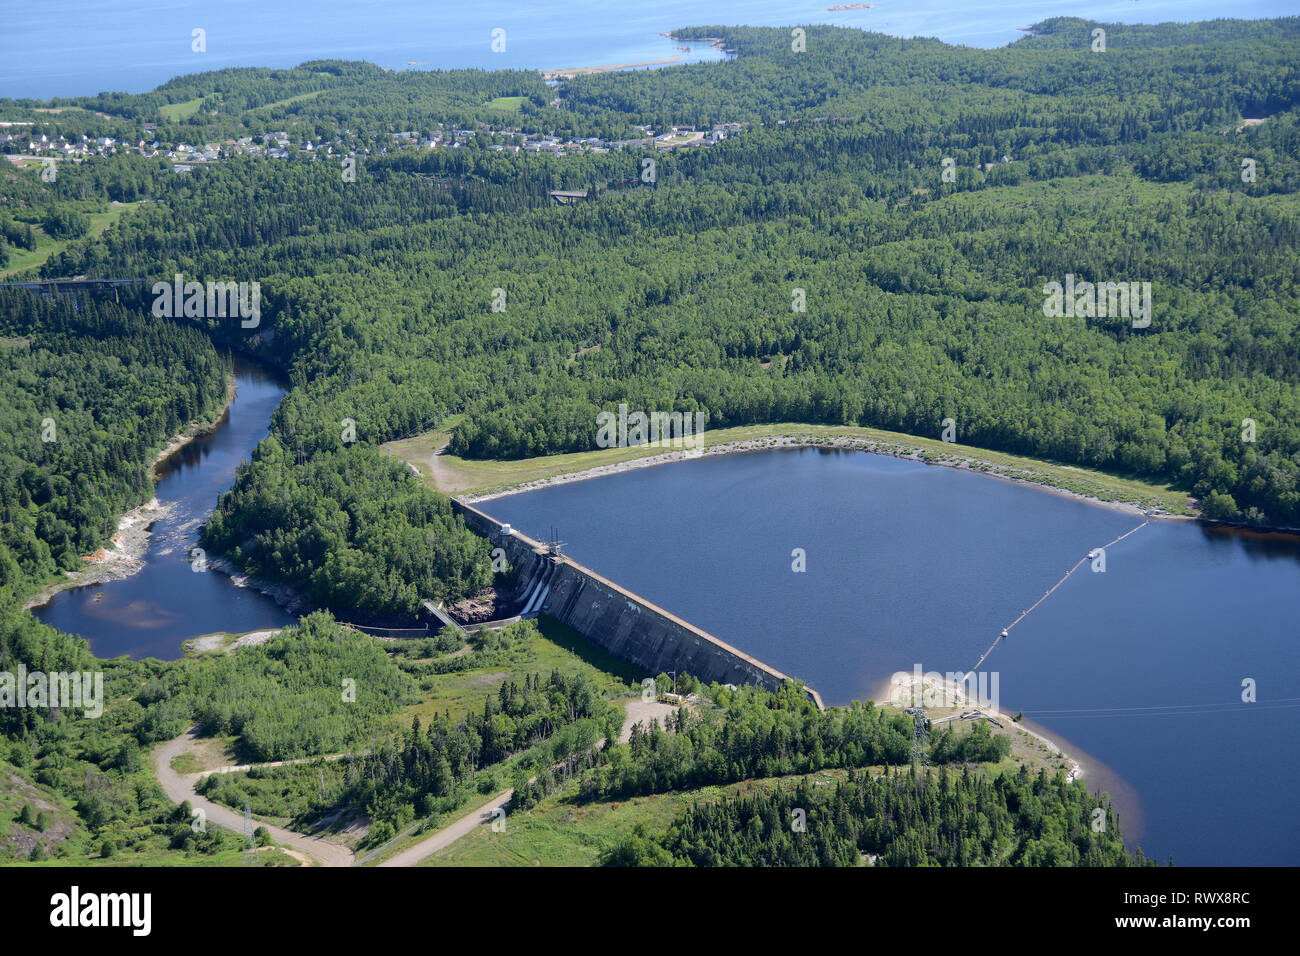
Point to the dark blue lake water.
(87, 46)
(1140, 667)
(150, 613)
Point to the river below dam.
(1140, 666)
(1139, 670)
(150, 613)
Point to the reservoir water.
(1141, 666)
(150, 613)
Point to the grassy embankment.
(451, 474)
(288, 101)
(175, 112)
(556, 648)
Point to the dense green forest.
(560, 719)
(895, 819)
(351, 530)
(922, 299)
(315, 690)
(280, 700)
(90, 390)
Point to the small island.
(850, 6)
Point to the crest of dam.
(623, 623)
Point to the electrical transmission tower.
(920, 754)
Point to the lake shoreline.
(942, 692)
(869, 446)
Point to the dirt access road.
(451, 833)
(180, 788)
(638, 711)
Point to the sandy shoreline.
(953, 694)
(222, 642)
(843, 443)
(570, 72)
(123, 559)
(1076, 770)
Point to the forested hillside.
(816, 265)
(896, 819)
(351, 530)
(922, 297)
(279, 700)
(89, 391)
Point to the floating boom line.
(1024, 614)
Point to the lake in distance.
(91, 46)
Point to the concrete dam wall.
(623, 623)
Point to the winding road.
(180, 788)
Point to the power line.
(1191, 710)
(1230, 703)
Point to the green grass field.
(511, 104)
(23, 260)
(562, 831)
(175, 112)
(454, 475)
(557, 648)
